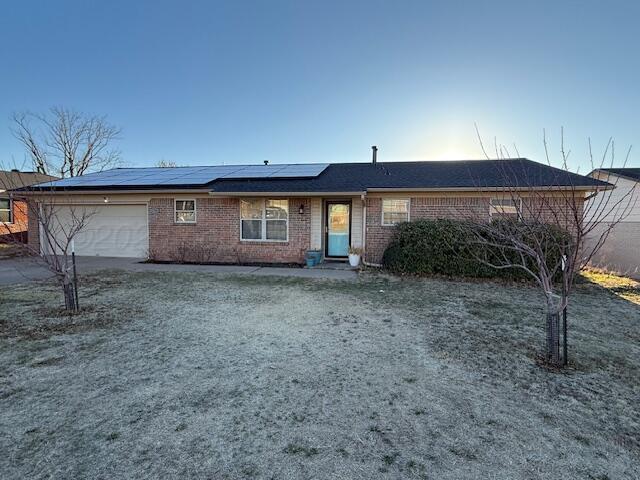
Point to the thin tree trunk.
(565, 354)
(75, 280)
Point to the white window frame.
(496, 210)
(175, 210)
(11, 219)
(408, 200)
(263, 230)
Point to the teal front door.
(338, 229)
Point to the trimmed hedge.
(444, 247)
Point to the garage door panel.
(110, 230)
(118, 223)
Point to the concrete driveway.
(24, 269)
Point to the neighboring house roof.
(13, 179)
(336, 177)
(631, 173)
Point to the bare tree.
(162, 163)
(67, 143)
(56, 220)
(58, 232)
(63, 143)
(525, 231)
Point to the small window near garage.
(251, 219)
(264, 219)
(506, 208)
(6, 214)
(395, 211)
(185, 211)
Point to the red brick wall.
(34, 229)
(378, 236)
(554, 210)
(449, 207)
(17, 230)
(216, 235)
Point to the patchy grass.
(293, 449)
(202, 376)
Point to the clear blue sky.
(301, 81)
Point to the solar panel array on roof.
(156, 176)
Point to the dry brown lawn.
(228, 377)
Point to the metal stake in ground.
(75, 273)
(565, 360)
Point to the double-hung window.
(6, 214)
(395, 211)
(264, 219)
(506, 208)
(185, 211)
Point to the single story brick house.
(13, 211)
(275, 213)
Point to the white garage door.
(110, 230)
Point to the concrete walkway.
(20, 270)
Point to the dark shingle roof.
(630, 173)
(339, 177)
(464, 174)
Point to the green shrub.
(446, 247)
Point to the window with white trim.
(264, 219)
(185, 211)
(395, 211)
(6, 213)
(505, 208)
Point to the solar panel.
(246, 174)
(98, 181)
(69, 181)
(189, 175)
(138, 181)
(278, 171)
(255, 169)
(310, 170)
(187, 181)
(224, 167)
(176, 171)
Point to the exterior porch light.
(301, 209)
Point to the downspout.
(363, 198)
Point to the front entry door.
(338, 229)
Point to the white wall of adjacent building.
(621, 251)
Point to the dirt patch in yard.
(201, 376)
